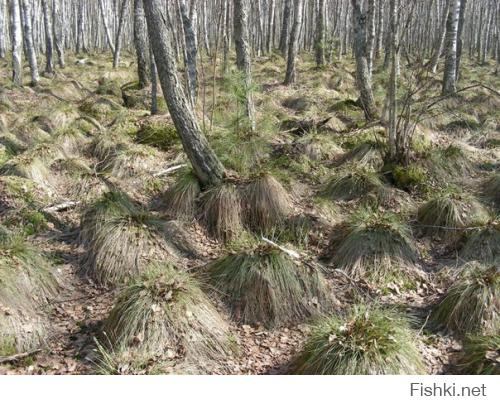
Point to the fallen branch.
(91, 121)
(169, 170)
(18, 356)
(61, 207)
(289, 252)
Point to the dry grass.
(26, 283)
(483, 244)
(264, 285)
(120, 239)
(377, 247)
(481, 355)
(471, 303)
(449, 213)
(165, 314)
(266, 203)
(220, 212)
(368, 340)
(181, 198)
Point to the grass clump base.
(119, 237)
(180, 199)
(267, 203)
(471, 303)
(368, 340)
(165, 313)
(221, 212)
(481, 355)
(377, 247)
(266, 286)
(353, 184)
(491, 188)
(483, 244)
(449, 213)
(26, 283)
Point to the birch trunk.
(206, 165)
(293, 47)
(141, 44)
(106, 26)
(16, 43)
(363, 79)
(450, 66)
(441, 39)
(191, 50)
(243, 62)
(28, 41)
(58, 23)
(3, 42)
(461, 20)
(285, 28)
(370, 35)
(320, 41)
(119, 31)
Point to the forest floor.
(50, 115)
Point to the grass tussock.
(367, 152)
(353, 184)
(449, 163)
(491, 188)
(26, 283)
(481, 355)
(267, 203)
(266, 286)
(180, 199)
(375, 246)
(368, 340)
(483, 244)
(119, 239)
(471, 303)
(221, 212)
(165, 313)
(449, 213)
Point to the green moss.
(159, 134)
(411, 178)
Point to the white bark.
(16, 43)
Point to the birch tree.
(206, 165)
(320, 41)
(241, 39)
(363, 79)
(16, 42)
(28, 41)
(141, 44)
(450, 72)
(49, 41)
(293, 47)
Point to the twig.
(169, 170)
(291, 253)
(91, 120)
(61, 207)
(18, 356)
(425, 323)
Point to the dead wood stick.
(169, 170)
(18, 356)
(290, 252)
(61, 207)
